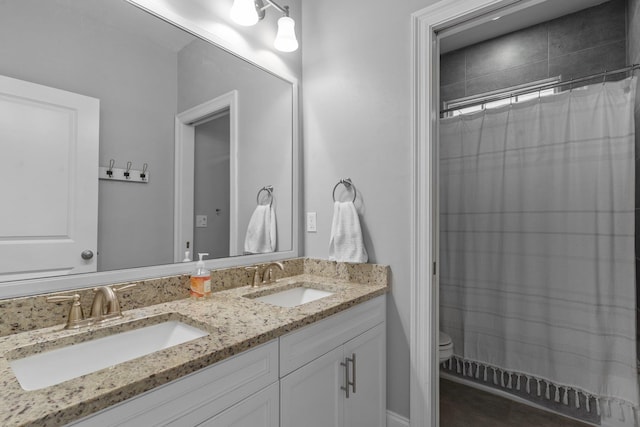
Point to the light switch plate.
(311, 222)
(201, 221)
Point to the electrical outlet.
(201, 221)
(311, 222)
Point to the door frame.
(425, 82)
(185, 124)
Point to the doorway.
(445, 14)
(206, 187)
(212, 186)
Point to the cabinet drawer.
(192, 399)
(302, 346)
(259, 410)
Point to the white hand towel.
(346, 243)
(261, 232)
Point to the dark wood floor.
(463, 406)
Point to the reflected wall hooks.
(111, 173)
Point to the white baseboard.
(395, 420)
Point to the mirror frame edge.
(30, 287)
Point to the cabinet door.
(258, 410)
(366, 404)
(310, 396)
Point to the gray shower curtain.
(537, 246)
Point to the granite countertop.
(234, 324)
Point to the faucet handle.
(256, 275)
(75, 315)
(122, 288)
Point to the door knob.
(88, 254)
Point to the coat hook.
(127, 173)
(110, 170)
(143, 174)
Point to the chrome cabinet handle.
(346, 376)
(347, 382)
(353, 361)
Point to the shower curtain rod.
(523, 91)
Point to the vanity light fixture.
(249, 12)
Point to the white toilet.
(446, 347)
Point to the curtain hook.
(110, 170)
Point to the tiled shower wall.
(633, 24)
(575, 45)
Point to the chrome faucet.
(105, 302)
(105, 306)
(267, 273)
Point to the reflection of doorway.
(206, 122)
(211, 187)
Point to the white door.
(258, 410)
(48, 180)
(311, 396)
(366, 405)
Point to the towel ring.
(348, 184)
(269, 190)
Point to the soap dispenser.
(201, 280)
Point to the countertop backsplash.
(34, 312)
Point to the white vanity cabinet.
(319, 363)
(235, 389)
(297, 380)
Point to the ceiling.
(514, 18)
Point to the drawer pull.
(346, 376)
(347, 382)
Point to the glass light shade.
(286, 38)
(244, 12)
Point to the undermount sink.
(292, 296)
(61, 364)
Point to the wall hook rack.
(127, 174)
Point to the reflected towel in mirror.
(261, 232)
(346, 243)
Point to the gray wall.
(357, 108)
(136, 84)
(264, 127)
(633, 25)
(211, 187)
(575, 45)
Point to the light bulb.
(244, 12)
(286, 38)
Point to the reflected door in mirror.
(48, 180)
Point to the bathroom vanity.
(315, 363)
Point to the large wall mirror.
(93, 85)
